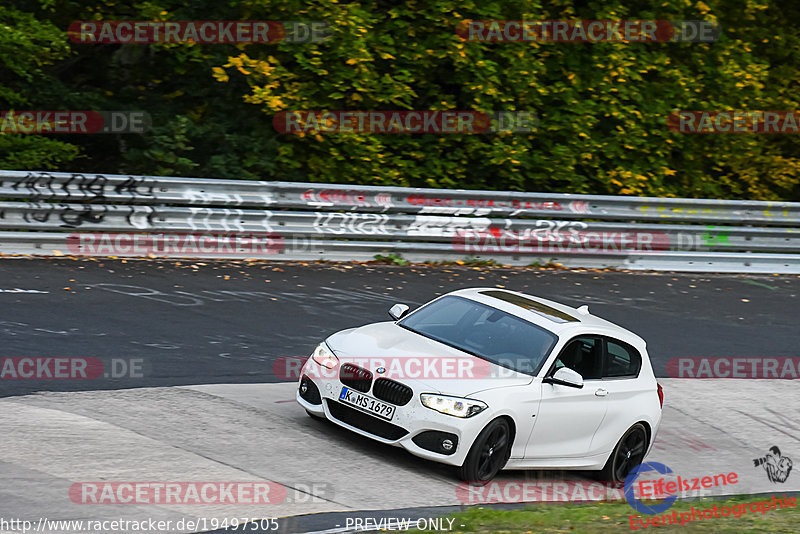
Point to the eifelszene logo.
(667, 486)
(777, 467)
(630, 487)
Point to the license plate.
(367, 403)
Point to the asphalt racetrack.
(189, 389)
(203, 322)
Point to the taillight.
(660, 394)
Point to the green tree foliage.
(29, 46)
(199, 127)
(602, 107)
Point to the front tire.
(488, 454)
(628, 453)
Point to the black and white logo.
(777, 467)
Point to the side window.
(622, 360)
(583, 354)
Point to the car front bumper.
(412, 425)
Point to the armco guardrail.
(110, 215)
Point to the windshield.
(484, 331)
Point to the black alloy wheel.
(628, 453)
(488, 454)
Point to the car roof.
(562, 320)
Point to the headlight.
(324, 356)
(455, 406)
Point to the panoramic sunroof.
(537, 307)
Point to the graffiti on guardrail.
(432, 225)
(61, 215)
(483, 206)
(351, 223)
(70, 216)
(131, 186)
(43, 185)
(353, 199)
(225, 220)
(141, 217)
(754, 212)
(200, 196)
(33, 182)
(330, 221)
(431, 204)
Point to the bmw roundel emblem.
(380, 370)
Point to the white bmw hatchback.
(487, 379)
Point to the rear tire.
(488, 454)
(628, 453)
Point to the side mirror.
(565, 377)
(398, 311)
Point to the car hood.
(420, 362)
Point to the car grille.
(365, 422)
(356, 377)
(392, 392)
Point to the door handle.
(601, 392)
